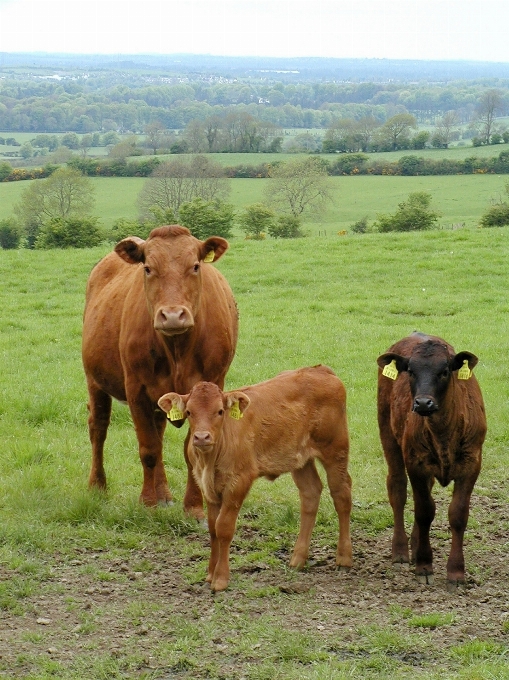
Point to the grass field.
(99, 587)
(460, 198)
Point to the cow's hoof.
(425, 579)
(342, 568)
(454, 586)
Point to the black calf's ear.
(458, 361)
(401, 363)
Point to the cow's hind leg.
(340, 486)
(99, 407)
(310, 488)
(458, 518)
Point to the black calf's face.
(430, 369)
(429, 379)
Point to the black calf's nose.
(424, 406)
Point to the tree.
(179, 181)
(286, 226)
(10, 235)
(414, 214)
(65, 194)
(444, 130)
(70, 232)
(207, 218)
(256, 220)
(395, 132)
(490, 104)
(154, 134)
(299, 187)
(86, 143)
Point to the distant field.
(460, 198)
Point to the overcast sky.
(396, 29)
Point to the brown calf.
(432, 426)
(158, 317)
(291, 420)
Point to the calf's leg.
(458, 518)
(310, 487)
(424, 509)
(99, 407)
(220, 548)
(340, 486)
(193, 499)
(397, 492)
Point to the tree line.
(127, 101)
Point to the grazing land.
(97, 586)
(461, 199)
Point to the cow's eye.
(410, 373)
(147, 270)
(196, 267)
(220, 412)
(188, 413)
(445, 373)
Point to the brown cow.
(432, 426)
(158, 317)
(291, 420)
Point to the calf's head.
(205, 407)
(172, 261)
(430, 368)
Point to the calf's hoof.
(218, 585)
(425, 579)
(298, 562)
(454, 585)
(196, 512)
(343, 568)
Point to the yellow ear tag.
(175, 414)
(235, 411)
(209, 257)
(464, 373)
(390, 371)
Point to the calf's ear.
(460, 358)
(174, 404)
(131, 249)
(212, 249)
(236, 397)
(385, 359)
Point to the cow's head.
(429, 368)
(172, 261)
(206, 407)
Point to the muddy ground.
(93, 606)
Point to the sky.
(475, 30)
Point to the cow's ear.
(460, 358)
(131, 249)
(237, 398)
(213, 248)
(174, 405)
(400, 362)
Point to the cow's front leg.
(424, 510)
(150, 424)
(458, 518)
(99, 407)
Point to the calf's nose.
(202, 439)
(424, 406)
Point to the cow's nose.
(202, 439)
(424, 406)
(174, 319)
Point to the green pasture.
(461, 199)
(338, 301)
